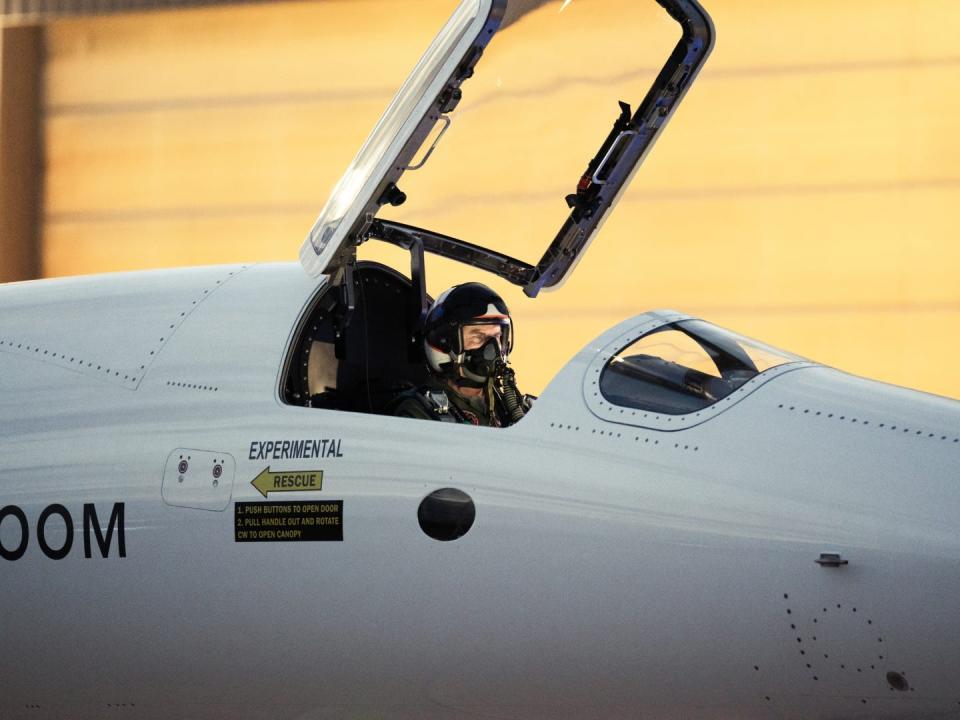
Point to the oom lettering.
(54, 532)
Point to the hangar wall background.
(805, 193)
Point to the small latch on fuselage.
(831, 559)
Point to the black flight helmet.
(456, 310)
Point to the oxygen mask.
(486, 362)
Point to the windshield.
(395, 128)
(544, 138)
(510, 168)
(685, 367)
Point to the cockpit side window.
(685, 367)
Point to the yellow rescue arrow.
(288, 481)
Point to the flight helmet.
(454, 312)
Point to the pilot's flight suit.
(436, 401)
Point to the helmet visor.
(476, 332)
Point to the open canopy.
(432, 91)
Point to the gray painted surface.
(612, 571)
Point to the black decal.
(24, 533)
(42, 528)
(288, 521)
(90, 520)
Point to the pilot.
(468, 336)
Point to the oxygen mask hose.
(506, 380)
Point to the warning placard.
(288, 521)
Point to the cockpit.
(359, 345)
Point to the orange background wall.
(805, 193)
